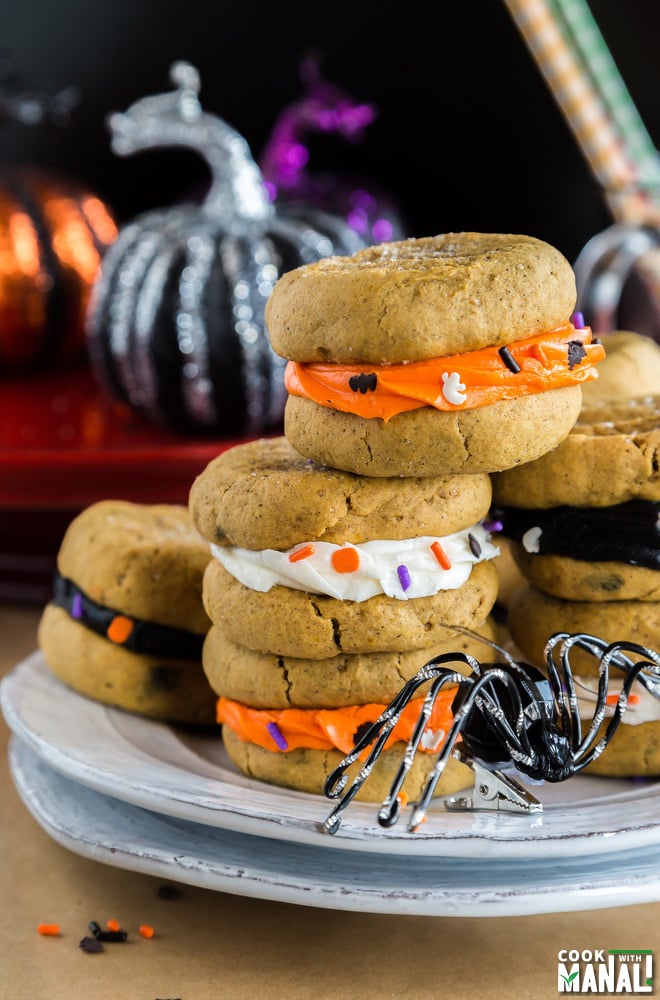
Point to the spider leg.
(389, 812)
(379, 731)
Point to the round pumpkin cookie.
(610, 456)
(264, 680)
(450, 354)
(534, 616)
(580, 580)
(306, 770)
(291, 622)
(631, 369)
(264, 495)
(126, 623)
(159, 687)
(420, 298)
(429, 442)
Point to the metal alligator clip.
(493, 790)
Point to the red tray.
(64, 445)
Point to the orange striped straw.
(612, 159)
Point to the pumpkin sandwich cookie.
(587, 542)
(126, 623)
(453, 354)
(325, 597)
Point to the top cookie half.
(418, 299)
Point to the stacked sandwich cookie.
(126, 624)
(585, 524)
(351, 551)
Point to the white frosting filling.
(641, 707)
(384, 566)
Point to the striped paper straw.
(606, 148)
(582, 33)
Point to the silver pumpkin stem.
(237, 197)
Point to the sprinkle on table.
(146, 930)
(441, 555)
(119, 629)
(91, 945)
(48, 930)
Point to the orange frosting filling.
(327, 729)
(562, 357)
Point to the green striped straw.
(577, 66)
(579, 27)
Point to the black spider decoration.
(507, 714)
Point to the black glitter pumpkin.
(176, 321)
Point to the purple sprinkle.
(77, 606)
(404, 576)
(277, 735)
(577, 319)
(493, 525)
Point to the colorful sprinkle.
(304, 553)
(48, 930)
(493, 526)
(577, 319)
(475, 547)
(77, 606)
(146, 930)
(102, 935)
(441, 555)
(363, 383)
(113, 925)
(576, 353)
(612, 699)
(91, 945)
(509, 360)
(403, 799)
(278, 735)
(119, 629)
(345, 560)
(404, 576)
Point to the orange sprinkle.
(304, 553)
(403, 799)
(119, 629)
(113, 925)
(49, 930)
(441, 555)
(345, 560)
(612, 699)
(146, 930)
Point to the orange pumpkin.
(53, 233)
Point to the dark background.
(468, 136)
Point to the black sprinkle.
(363, 383)
(475, 547)
(509, 360)
(94, 927)
(576, 353)
(169, 892)
(596, 340)
(360, 731)
(91, 945)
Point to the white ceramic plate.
(175, 772)
(108, 830)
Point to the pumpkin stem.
(237, 196)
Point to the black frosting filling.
(626, 533)
(145, 637)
